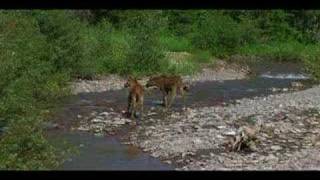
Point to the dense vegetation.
(40, 51)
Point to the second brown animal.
(169, 86)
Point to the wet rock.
(152, 113)
(104, 114)
(297, 85)
(81, 128)
(97, 120)
(168, 161)
(99, 134)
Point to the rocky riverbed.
(194, 138)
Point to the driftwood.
(245, 138)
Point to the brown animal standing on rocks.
(168, 85)
(135, 98)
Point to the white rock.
(97, 120)
(221, 127)
(104, 114)
(81, 128)
(276, 147)
(230, 133)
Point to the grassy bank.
(40, 51)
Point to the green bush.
(202, 56)
(311, 59)
(24, 147)
(278, 51)
(113, 48)
(103, 48)
(29, 87)
(220, 34)
(182, 67)
(175, 44)
(68, 48)
(145, 53)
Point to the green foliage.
(202, 56)
(175, 44)
(278, 51)
(30, 85)
(183, 66)
(311, 59)
(220, 34)
(24, 147)
(145, 53)
(181, 22)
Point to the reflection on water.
(106, 153)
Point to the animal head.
(152, 81)
(130, 82)
(186, 88)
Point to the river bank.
(192, 135)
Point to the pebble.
(99, 134)
(276, 148)
(230, 133)
(221, 127)
(104, 114)
(83, 128)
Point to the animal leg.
(141, 106)
(129, 109)
(172, 96)
(165, 99)
(133, 106)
